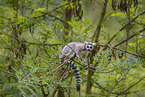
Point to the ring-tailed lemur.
(76, 49)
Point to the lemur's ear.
(94, 44)
(85, 42)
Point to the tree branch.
(125, 26)
(123, 50)
(129, 52)
(56, 17)
(135, 34)
(117, 83)
(123, 92)
(58, 87)
(97, 31)
(42, 43)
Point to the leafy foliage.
(33, 32)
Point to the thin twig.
(136, 91)
(99, 86)
(56, 86)
(61, 6)
(25, 77)
(13, 74)
(45, 44)
(57, 67)
(51, 15)
(63, 74)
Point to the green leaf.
(118, 14)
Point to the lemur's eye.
(87, 46)
(91, 47)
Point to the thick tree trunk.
(60, 92)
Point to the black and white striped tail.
(77, 76)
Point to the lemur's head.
(89, 46)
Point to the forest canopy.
(33, 33)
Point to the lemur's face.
(89, 46)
